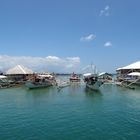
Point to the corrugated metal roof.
(135, 65)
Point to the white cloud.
(107, 7)
(74, 59)
(105, 11)
(41, 64)
(108, 44)
(53, 58)
(88, 38)
(72, 62)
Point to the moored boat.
(92, 81)
(3, 81)
(39, 81)
(74, 78)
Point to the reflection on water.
(38, 91)
(75, 84)
(93, 95)
(41, 92)
(92, 92)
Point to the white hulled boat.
(74, 78)
(92, 81)
(39, 81)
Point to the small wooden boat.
(62, 85)
(40, 81)
(74, 78)
(5, 82)
(92, 81)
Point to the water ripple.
(72, 113)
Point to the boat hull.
(94, 86)
(32, 85)
(74, 80)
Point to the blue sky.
(67, 35)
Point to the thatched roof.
(19, 70)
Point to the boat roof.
(3, 76)
(134, 74)
(90, 75)
(135, 65)
(45, 75)
(102, 73)
(87, 74)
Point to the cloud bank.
(41, 64)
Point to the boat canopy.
(45, 76)
(2, 76)
(87, 74)
(134, 74)
(102, 73)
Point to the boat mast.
(93, 68)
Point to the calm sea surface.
(72, 113)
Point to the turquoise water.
(72, 113)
